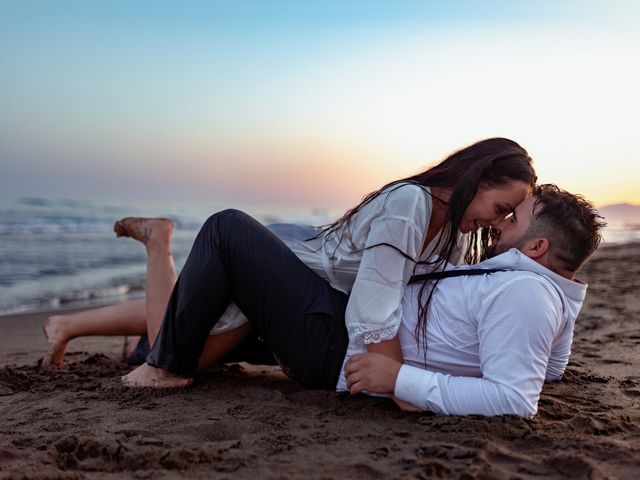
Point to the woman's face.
(490, 205)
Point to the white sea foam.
(56, 253)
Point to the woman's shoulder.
(406, 202)
(406, 193)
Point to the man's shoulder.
(529, 289)
(512, 279)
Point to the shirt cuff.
(413, 385)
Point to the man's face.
(513, 229)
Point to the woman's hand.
(371, 372)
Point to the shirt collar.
(514, 259)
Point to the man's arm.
(516, 328)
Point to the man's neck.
(545, 262)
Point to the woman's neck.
(441, 196)
(439, 201)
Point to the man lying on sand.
(491, 339)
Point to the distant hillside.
(622, 213)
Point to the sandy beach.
(253, 422)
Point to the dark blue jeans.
(298, 315)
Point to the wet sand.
(253, 422)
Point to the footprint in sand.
(612, 361)
(116, 455)
(632, 392)
(4, 391)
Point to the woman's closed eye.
(504, 210)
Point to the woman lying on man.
(494, 334)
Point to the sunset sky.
(312, 103)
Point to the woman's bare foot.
(151, 377)
(54, 330)
(130, 344)
(144, 230)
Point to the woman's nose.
(495, 221)
(498, 222)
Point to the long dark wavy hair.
(493, 162)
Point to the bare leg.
(128, 318)
(219, 346)
(155, 235)
(136, 317)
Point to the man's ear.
(536, 247)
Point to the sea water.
(56, 253)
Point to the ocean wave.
(55, 226)
(64, 225)
(62, 252)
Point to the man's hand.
(372, 372)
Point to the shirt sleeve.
(560, 353)
(398, 224)
(516, 328)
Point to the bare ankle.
(146, 230)
(56, 331)
(56, 328)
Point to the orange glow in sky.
(310, 103)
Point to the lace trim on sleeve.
(376, 336)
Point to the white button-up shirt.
(491, 341)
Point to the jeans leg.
(297, 313)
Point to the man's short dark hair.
(570, 223)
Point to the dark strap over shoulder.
(453, 273)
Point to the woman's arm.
(395, 229)
(390, 348)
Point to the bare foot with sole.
(146, 376)
(144, 229)
(57, 339)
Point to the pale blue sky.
(309, 101)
